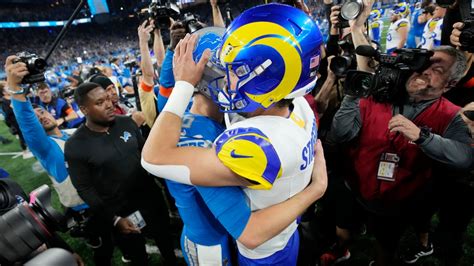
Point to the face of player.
(394, 17)
(98, 107)
(434, 81)
(46, 119)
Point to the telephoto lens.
(24, 228)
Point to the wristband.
(179, 99)
(145, 87)
(12, 92)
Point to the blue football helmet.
(209, 38)
(274, 51)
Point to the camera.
(342, 63)
(36, 67)
(191, 23)
(387, 85)
(467, 36)
(350, 9)
(160, 12)
(131, 63)
(24, 226)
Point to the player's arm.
(403, 31)
(266, 223)
(252, 229)
(160, 155)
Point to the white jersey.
(427, 39)
(393, 36)
(276, 154)
(437, 33)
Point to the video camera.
(388, 83)
(191, 23)
(160, 12)
(24, 227)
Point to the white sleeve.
(176, 173)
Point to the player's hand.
(125, 226)
(401, 124)
(177, 33)
(15, 72)
(213, 3)
(184, 67)
(144, 31)
(319, 178)
(456, 33)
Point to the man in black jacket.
(104, 164)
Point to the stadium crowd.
(256, 132)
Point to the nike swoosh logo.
(234, 155)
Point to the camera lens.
(22, 232)
(340, 65)
(351, 9)
(39, 64)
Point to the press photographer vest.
(414, 168)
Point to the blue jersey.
(416, 30)
(198, 206)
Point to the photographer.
(42, 134)
(408, 140)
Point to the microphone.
(367, 51)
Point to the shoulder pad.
(403, 24)
(249, 153)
